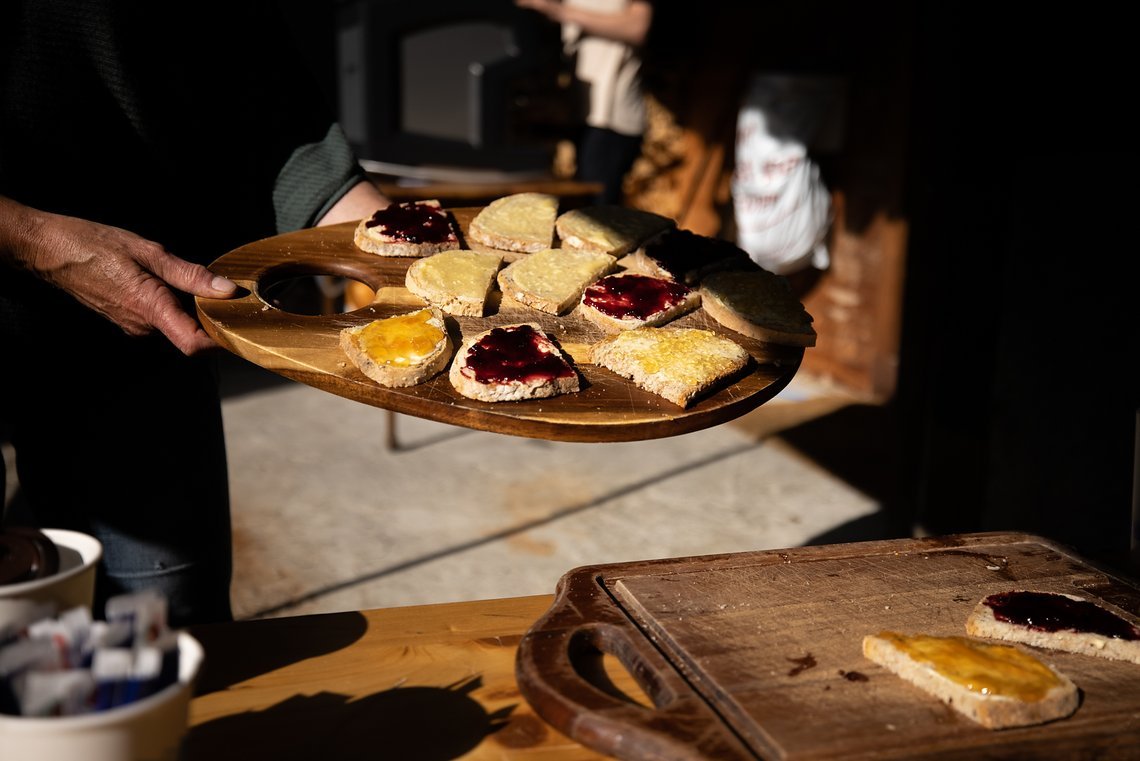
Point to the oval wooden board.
(306, 348)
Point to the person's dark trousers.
(121, 438)
(606, 156)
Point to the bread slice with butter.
(457, 282)
(679, 364)
(552, 280)
(518, 222)
(614, 230)
(757, 304)
(997, 686)
(399, 351)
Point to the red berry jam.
(413, 222)
(516, 353)
(634, 297)
(684, 255)
(1051, 613)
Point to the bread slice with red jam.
(687, 257)
(511, 363)
(1057, 622)
(409, 229)
(630, 300)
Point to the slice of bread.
(512, 363)
(518, 222)
(679, 364)
(457, 282)
(1057, 622)
(399, 351)
(413, 228)
(997, 686)
(757, 304)
(630, 300)
(552, 280)
(687, 257)
(614, 230)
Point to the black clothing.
(193, 125)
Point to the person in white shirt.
(604, 37)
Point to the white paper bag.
(783, 209)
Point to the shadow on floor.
(858, 443)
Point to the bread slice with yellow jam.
(997, 686)
(399, 351)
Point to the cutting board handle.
(559, 672)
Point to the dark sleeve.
(313, 179)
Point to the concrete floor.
(328, 518)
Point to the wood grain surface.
(412, 683)
(759, 655)
(305, 348)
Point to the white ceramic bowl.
(150, 729)
(72, 586)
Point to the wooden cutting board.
(306, 348)
(759, 655)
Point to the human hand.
(120, 275)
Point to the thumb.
(189, 277)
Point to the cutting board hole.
(313, 294)
(606, 672)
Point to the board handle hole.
(310, 290)
(604, 658)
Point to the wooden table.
(421, 682)
(748, 655)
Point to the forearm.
(18, 224)
(362, 201)
(630, 25)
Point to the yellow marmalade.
(982, 667)
(401, 341)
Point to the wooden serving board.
(759, 655)
(306, 348)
